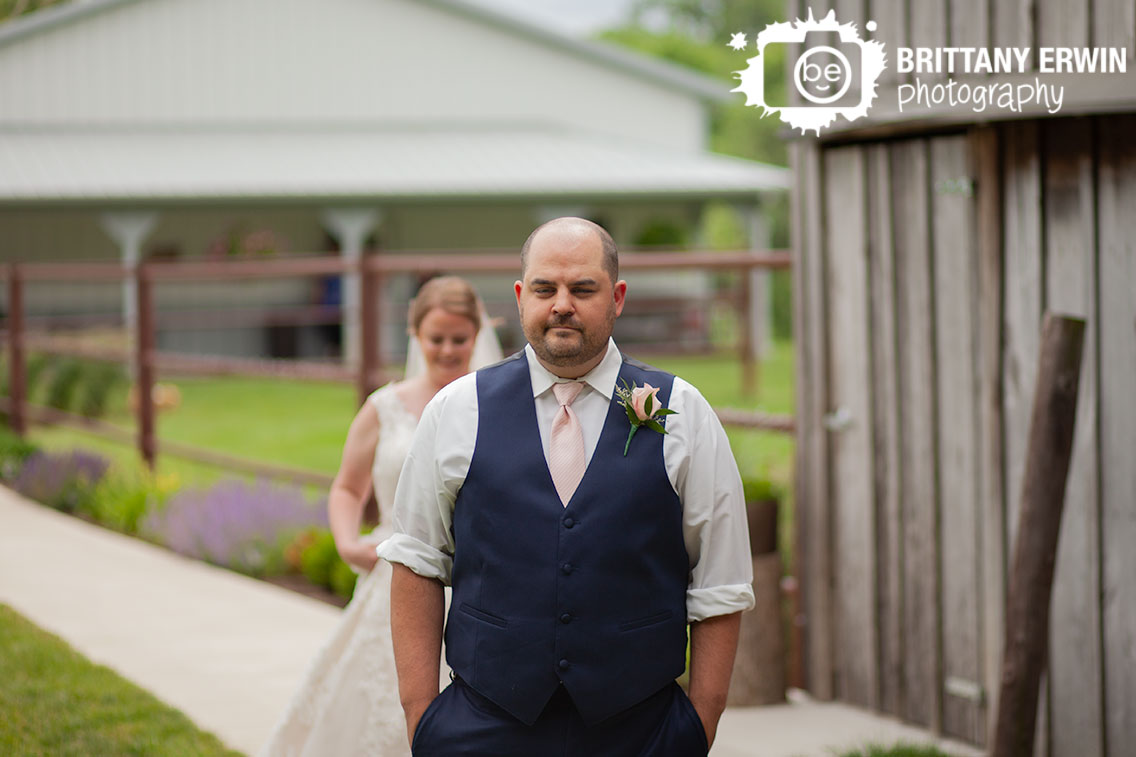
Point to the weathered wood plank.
(921, 618)
(885, 430)
(1076, 712)
(987, 169)
(1023, 294)
(817, 567)
(891, 20)
(929, 27)
(1013, 23)
(1114, 25)
(1117, 277)
(955, 287)
(1023, 301)
(969, 23)
(850, 445)
(1061, 23)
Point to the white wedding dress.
(348, 703)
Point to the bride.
(348, 704)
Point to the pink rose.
(639, 397)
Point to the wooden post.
(369, 358)
(144, 362)
(745, 349)
(1035, 548)
(17, 389)
(759, 667)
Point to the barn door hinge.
(964, 689)
(838, 420)
(964, 185)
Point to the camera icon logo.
(833, 74)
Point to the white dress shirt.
(696, 455)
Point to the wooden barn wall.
(925, 266)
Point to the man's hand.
(417, 609)
(713, 643)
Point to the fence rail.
(22, 333)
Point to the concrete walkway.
(228, 650)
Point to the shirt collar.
(602, 378)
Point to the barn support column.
(760, 299)
(350, 227)
(129, 229)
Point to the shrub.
(34, 370)
(343, 578)
(761, 490)
(319, 562)
(318, 557)
(240, 525)
(14, 451)
(64, 381)
(899, 750)
(99, 382)
(64, 481)
(123, 498)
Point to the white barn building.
(176, 127)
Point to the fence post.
(144, 360)
(1049, 450)
(368, 304)
(17, 387)
(745, 349)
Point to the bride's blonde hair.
(451, 293)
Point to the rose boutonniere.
(643, 409)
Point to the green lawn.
(303, 424)
(54, 701)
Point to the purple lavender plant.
(64, 481)
(236, 524)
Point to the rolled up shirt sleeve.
(429, 483)
(715, 529)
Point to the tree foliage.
(694, 33)
(12, 8)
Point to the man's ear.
(620, 296)
(517, 287)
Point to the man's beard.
(569, 353)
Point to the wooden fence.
(367, 374)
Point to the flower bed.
(257, 528)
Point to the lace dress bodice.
(396, 429)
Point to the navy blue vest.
(592, 595)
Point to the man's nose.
(563, 303)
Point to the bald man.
(579, 550)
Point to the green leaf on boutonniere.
(666, 411)
(654, 425)
(648, 405)
(627, 446)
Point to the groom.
(577, 558)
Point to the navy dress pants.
(460, 722)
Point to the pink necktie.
(566, 444)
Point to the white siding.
(185, 62)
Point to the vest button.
(566, 618)
(568, 522)
(563, 665)
(566, 568)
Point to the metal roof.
(659, 71)
(66, 165)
